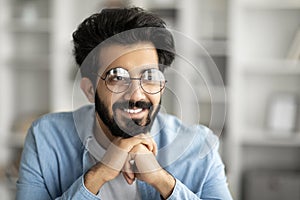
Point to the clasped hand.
(134, 157)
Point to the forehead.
(129, 57)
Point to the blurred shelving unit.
(26, 30)
(24, 64)
(262, 33)
(35, 63)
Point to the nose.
(135, 92)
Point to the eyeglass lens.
(118, 80)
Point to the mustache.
(132, 104)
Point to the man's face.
(132, 111)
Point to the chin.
(127, 127)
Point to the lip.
(135, 113)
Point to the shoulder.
(59, 130)
(53, 127)
(172, 122)
(188, 141)
(190, 153)
(53, 150)
(52, 120)
(172, 127)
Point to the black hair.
(111, 22)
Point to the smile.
(133, 111)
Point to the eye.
(117, 75)
(152, 75)
(119, 78)
(149, 77)
(112, 78)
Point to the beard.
(122, 126)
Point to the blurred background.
(254, 44)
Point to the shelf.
(219, 94)
(155, 4)
(215, 47)
(269, 139)
(273, 4)
(29, 63)
(37, 26)
(272, 67)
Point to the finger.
(128, 169)
(154, 151)
(128, 143)
(128, 172)
(146, 163)
(128, 179)
(149, 142)
(146, 140)
(148, 136)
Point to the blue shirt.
(58, 151)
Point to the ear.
(88, 89)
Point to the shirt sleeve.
(182, 192)
(78, 192)
(31, 184)
(215, 184)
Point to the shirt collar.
(84, 120)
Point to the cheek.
(155, 99)
(109, 99)
(105, 97)
(113, 97)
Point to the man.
(123, 147)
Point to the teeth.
(133, 111)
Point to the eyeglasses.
(118, 80)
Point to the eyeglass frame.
(130, 78)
